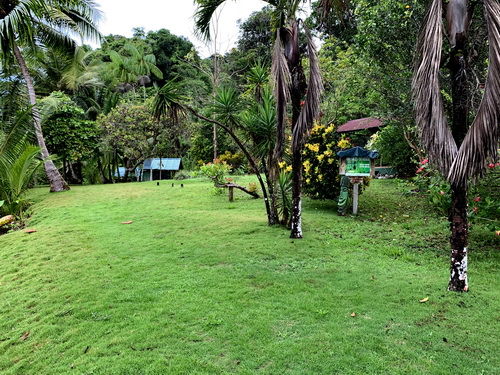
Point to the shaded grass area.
(198, 285)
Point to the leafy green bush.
(215, 171)
(182, 175)
(395, 151)
(484, 196)
(485, 199)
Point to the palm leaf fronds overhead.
(310, 110)
(430, 116)
(281, 80)
(481, 142)
(203, 16)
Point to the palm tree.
(127, 71)
(290, 85)
(460, 152)
(25, 26)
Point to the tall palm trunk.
(297, 90)
(56, 181)
(457, 21)
(459, 238)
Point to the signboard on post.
(357, 163)
(358, 166)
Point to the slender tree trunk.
(271, 187)
(459, 227)
(458, 14)
(101, 173)
(296, 194)
(298, 89)
(56, 181)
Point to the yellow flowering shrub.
(321, 163)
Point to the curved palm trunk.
(273, 216)
(56, 181)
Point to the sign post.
(357, 163)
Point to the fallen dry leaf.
(29, 230)
(24, 336)
(424, 300)
(127, 222)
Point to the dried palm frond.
(310, 109)
(481, 142)
(435, 134)
(281, 81)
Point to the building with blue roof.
(160, 168)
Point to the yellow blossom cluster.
(344, 143)
(314, 147)
(329, 129)
(307, 166)
(285, 167)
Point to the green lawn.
(198, 285)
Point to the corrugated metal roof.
(360, 124)
(167, 164)
(122, 170)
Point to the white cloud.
(121, 16)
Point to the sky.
(121, 16)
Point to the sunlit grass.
(198, 285)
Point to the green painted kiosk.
(357, 163)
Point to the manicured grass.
(198, 285)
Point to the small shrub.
(217, 191)
(484, 196)
(215, 171)
(182, 175)
(485, 199)
(236, 160)
(429, 184)
(253, 187)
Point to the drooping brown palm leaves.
(481, 143)
(458, 159)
